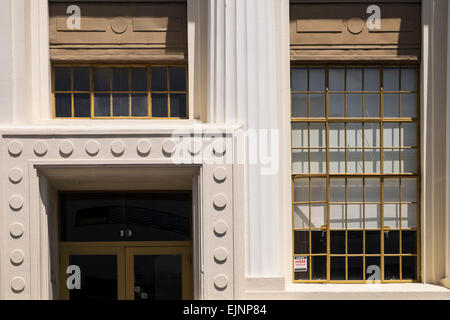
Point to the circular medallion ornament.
(221, 282)
(17, 284)
(16, 257)
(16, 202)
(119, 25)
(117, 148)
(220, 174)
(92, 148)
(355, 25)
(219, 147)
(220, 255)
(144, 147)
(15, 148)
(16, 230)
(40, 148)
(220, 201)
(220, 228)
(15, 175)
(169, 146)
(195, 147)
(66, 148)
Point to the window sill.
(326, 291)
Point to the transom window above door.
(120, 91)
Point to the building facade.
(225, 149)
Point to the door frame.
(125, 250)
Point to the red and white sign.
(300, 264)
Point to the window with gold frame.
(355, 173)
(120, 91)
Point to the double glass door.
(126, 272)
(125, 245)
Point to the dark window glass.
(177, 78)
(318, 241)
(337, 242)
(299, 79)
(102, 104)
(391, 105)
(81, 79)
(409, 268)
(301, 242)
(126, 216)
(391, 242)
(63, 105)
(62, 79)
(159, 105)
(371, 272)
(336, 79)
(121, 104)
(120, 79)
(317, 105)
(354, 79)
(98, 277)
(355, 268)
(139, 105)
(299, 105)
(373, 242)
(157, 277)
(390, 79)
(316, 79)
(82, 105)
(102, 80)
(337, 268)
(371, 105)
(178, 105)
(354, 105)
(158, 216)
(336, 105)
(409, 242)
(391, 268)
(355, 242)
(319, 267)
(158, 78)
(139, 79)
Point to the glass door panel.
(100, 270)
(159, 273)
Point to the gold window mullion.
(168, 91)
(382, 171)
(130, 114)
(111, 104)
(327, 185)
(149, 95)
(91, 90)
(71, 92)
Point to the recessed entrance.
(126, 245)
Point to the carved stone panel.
(118, 32)
(349, 31)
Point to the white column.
(242, 88)
(6, 61)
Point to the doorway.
(126, 245)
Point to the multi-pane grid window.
(355, 173)
(130, 91)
